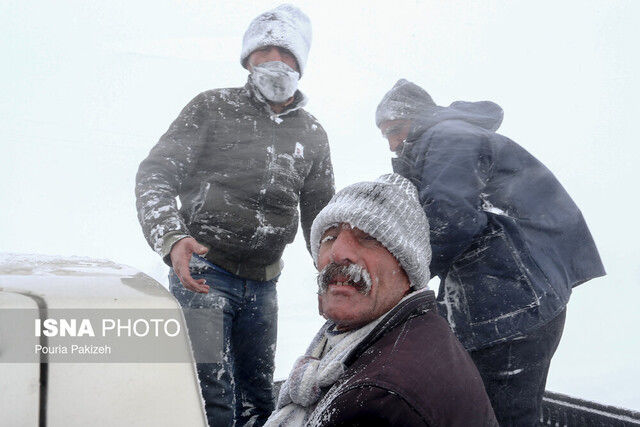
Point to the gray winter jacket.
(239, 171)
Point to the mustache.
(356, 276)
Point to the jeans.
(240, 387)
(515, 373)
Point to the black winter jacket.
(508, 242)
(240, 172)
(410, 370)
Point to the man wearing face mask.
(241, 161)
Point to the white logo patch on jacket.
(299, 151)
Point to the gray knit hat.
(405, 100)
(387, 209)
(285, 26)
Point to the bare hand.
(180, 256)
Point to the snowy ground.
(89, 86)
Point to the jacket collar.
(415, 304)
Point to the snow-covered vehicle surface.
(561, 410)
(81, 392)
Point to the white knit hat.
(389, 210)
(285, 26)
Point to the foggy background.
(88, 87)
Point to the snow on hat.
(286, 26)
(405, 100)
(387, 209)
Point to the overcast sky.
(89, 86)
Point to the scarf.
(314, 373)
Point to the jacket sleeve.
(368, 405)
(161, 174)
(452, 170)
(318, 188)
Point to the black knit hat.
(405, 100)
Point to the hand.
(180, 255)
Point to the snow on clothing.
(406, 368)
(285, 26)
(236, 377)
(315, 372)
(515, 373)
(508, 242)
(405, 101)
(240, 171)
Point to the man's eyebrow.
(284, 50)
(359, 232)
(329, 230)
(335, 230)
(393, 129)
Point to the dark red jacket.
(409, 371)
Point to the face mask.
(275, 80)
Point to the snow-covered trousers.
(240, 388)
(515, 373)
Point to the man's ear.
(248, 65)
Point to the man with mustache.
(384, 356)
(241, 161)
